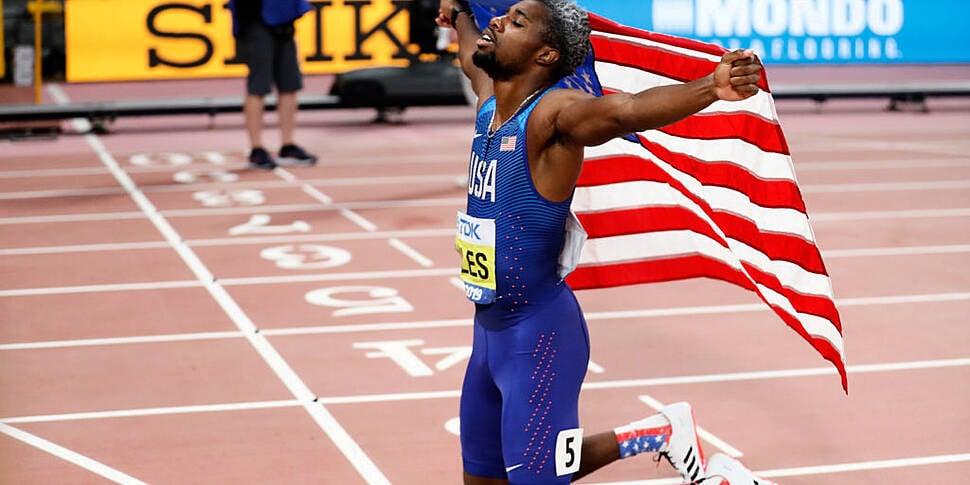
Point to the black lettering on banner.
(482, 260)
(318, 54)
(235, 59)
(360, 37)
(154, 59)
(469, 258)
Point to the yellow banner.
(121, 40)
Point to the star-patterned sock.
(647, 435)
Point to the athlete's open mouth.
(485, 40)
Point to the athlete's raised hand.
(444, 13)
(736, 76)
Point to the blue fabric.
(529, 229)
(278, 12)
(274, 12)
(521, 389)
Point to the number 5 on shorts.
(569, 447)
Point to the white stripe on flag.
(658, 45)
(642, 194)
(614, 77)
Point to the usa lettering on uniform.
(481, 178)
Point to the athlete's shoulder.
(548, 109)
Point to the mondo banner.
(123, 40)
(811, 31)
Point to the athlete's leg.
(599, 450)
(480, 418)
(539, 365)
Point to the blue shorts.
(521, 392)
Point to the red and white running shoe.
(724, 470)
(683, 450)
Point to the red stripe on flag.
(605, 25)
(642, 220)
(683, 60)
(778, 247)
(721, 126)
(601, 24)
(819, 306)
(762, 133)
(628, 168)
(693, 266)
(654, 271)
(650, 59)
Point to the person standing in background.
(264, 34)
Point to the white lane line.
(66, 290)
(410, 252)
(591, 316)
(828, 166)
(825, 469)
(100, 216)
(42, 194)
(464, 322)
(84, 248)
(886, 187)
(364, 275)
(147, 339)
(888, 215)
(777, 374)
(879, 165)
(326, 200)
(421, 259)
(134, 413)
(63, 290)
(53, 172)
(701, 432)
(316, 194)
(898, 251)
(359, 220)
(70, 456)
(334, 237)
(453, 394)
(430, 203)
(326, 421)
(866, 465)
(806, 189)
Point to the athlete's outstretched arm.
(591, 121)
(468, 35)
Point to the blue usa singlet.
(510, 237)
(519, 402)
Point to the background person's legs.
(253, 109)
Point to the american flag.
(714, 195)
(508, 144)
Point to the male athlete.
(519, 402)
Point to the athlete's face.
(511, 41)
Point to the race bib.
(475, 243)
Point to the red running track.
(167, 316)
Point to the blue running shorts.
(520, 395)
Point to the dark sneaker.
(260, 159)
(292, 154)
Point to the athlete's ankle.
(646, 435)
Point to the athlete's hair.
(567, 31)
